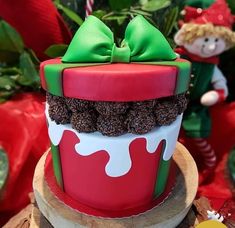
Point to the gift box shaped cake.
(114, 115)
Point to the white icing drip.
(117, 147)
(55, 133)
(119, 158)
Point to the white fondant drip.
(117, 147)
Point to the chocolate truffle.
(111, 108)
(181, 102)
(51, 98)
(140, 122)
(58, 111)
(84, 121)
(165, 111)
(111, 125)
(77, 105)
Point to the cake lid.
(93, 45)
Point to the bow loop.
(146, 42)
(92, 42)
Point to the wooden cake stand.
(168, 214)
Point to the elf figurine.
(205, 34)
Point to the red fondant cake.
(113, 119)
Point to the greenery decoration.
(18, 65)
(4, 168)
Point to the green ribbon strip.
(162, 174)
(162, 177)
(57, 165)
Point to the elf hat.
(218, 14)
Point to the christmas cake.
(114, 115)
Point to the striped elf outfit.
(197, 120)
(206, 151)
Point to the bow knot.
(121, 54)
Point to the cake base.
(168, 214)
(100, 212)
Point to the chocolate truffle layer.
(116, 118)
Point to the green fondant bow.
(94, 43)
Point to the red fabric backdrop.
(38, 22)
(23, 135)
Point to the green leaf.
(2, 100)
(56, 50)
(9, 71)
(33, 56)
(141, 12)
(4, 167)
(70, 14)
(120, 4)
(170, 21)
(115, 17)
(151, 21)
(154, 5)
(171, 42)
(10, 40)
(6, 94)
(7, 83)
(121, 20)
(231, 4)
(99, 13)
(8, 57)
(199, 3)
(231, 163)
(29, 75)
(143, 2)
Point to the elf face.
(206, 46)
